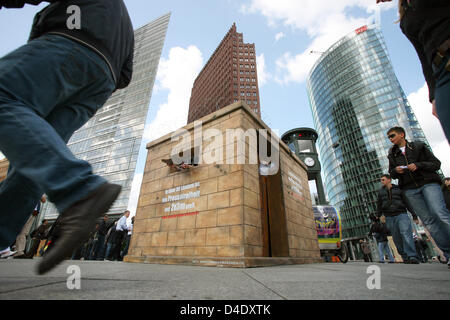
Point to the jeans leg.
(34, 246)
(65, 120)
(426, 203)
(127, 245)
(436, 203)
(93, 251)
(18, 197)
(108, 251)
(34, 93)
(405, 227)
(21, 240)
(100, 248)
(442, 96)
(381, 251)
(392, 225)
(388, 250)
(115, 251)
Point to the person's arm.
(393, 169)
(379, 205)
(431, 163)
(386, 230)
(427, 69)
(122, 224)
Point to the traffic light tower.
(302, 142)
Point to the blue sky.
(284, 31)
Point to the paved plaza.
(127, 281)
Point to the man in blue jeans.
(415, 167)
(391, 209)
(49, 88)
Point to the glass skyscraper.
(355, 98)
(111, 140)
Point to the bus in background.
(329, 232)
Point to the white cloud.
(296, 67)
(431, 127)
(134, 193)
(176, 74)
(325, 22)
(263, 75)
(307, 15)
(279, 36)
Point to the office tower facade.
(355, 98)
(229, 75)
(111, 140)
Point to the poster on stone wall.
(180, 201)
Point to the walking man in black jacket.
(392, 204)
(102, 231)
(415, 166)
(446, 192)
(39, 234)
(79, 52)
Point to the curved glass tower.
(355, 98)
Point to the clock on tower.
(302, 142)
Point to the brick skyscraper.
(229, 76)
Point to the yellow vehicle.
(329, 232)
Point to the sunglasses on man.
(392, 136)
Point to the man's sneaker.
(7, 254)
(77, 222)
(413, 261)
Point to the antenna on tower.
(316, 52)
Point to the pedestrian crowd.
(106, 242)
(421, 192)
(420, 189)
(109, 241)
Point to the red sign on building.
(361, 30)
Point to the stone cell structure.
(225, 210)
